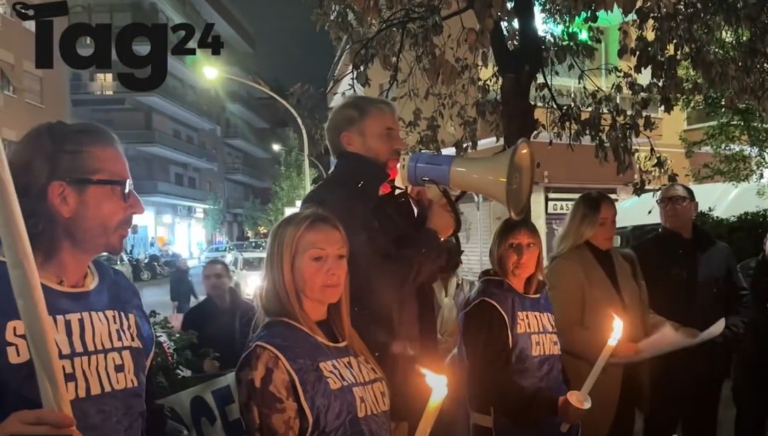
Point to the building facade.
(563, 172)
(190, 141)
(27, 96)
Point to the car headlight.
(253, 283)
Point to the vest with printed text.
(105, 341)
(341, 394)
(535, 347)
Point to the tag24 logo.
(156, 58)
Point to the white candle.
(618, 328)
(28, 293)
(439, 385)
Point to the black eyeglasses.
(674, 200)
(126, 186)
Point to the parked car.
(247, 271)
(119, 262)
(216, 252)
(257, 244)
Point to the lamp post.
(277, 148)
(212, 73)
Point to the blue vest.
(535, 353)
(341, 394)
(104, 339)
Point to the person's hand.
(210, 365)
(38, 422)
(625, 349)
(569, 413)
(440, 218)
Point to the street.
(156, 293)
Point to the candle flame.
(618, 328)
(438, 383)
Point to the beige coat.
(584, 302)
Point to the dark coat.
(182, 289)
(695, 283)
(394, 260)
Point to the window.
(104, 83)
(253, 264)
(177, 134)
(192, 182)
(209, 186)
(190, 139)
(178, 179)
(6, 85)
(33, 88)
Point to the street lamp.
(212, 73)
(278, 148)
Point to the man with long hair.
(77, 201)
(395, 255)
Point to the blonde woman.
(307, 372)
(590, 281)
(509, 345)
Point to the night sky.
(289, 49)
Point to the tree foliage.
(496, 66)
(735, 133)
(288, 185)
(744, 233)
(252, 212)
(214, 214)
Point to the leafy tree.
(214, 214)
(252, 212)
(288, 185)
(736, 135)
(495, 65)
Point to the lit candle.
(439, 385)
(618, 327)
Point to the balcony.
(183, 107)
(241, 174)
(162, 144)
(238, 139)
(236, 204)
(169, 193)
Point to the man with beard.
(395, 254)
(692, 279)
(77, 201)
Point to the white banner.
(210, 409)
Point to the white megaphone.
(505, 177)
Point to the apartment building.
(186, 141)
(27, 96)
(563, 173)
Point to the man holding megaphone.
(395, 255)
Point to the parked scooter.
(140, 274)
(155, 267)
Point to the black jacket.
(695, 282)
(182, 289)
(394, 260)
(224, 330)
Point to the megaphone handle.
(452, 205)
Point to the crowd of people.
(361, 293)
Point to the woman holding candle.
(509, 343)
(307, 372)
(592, 284)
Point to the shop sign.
(559, 207)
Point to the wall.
(17, 116)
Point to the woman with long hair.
(591, 282)
(307, 372)
(509, 343)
